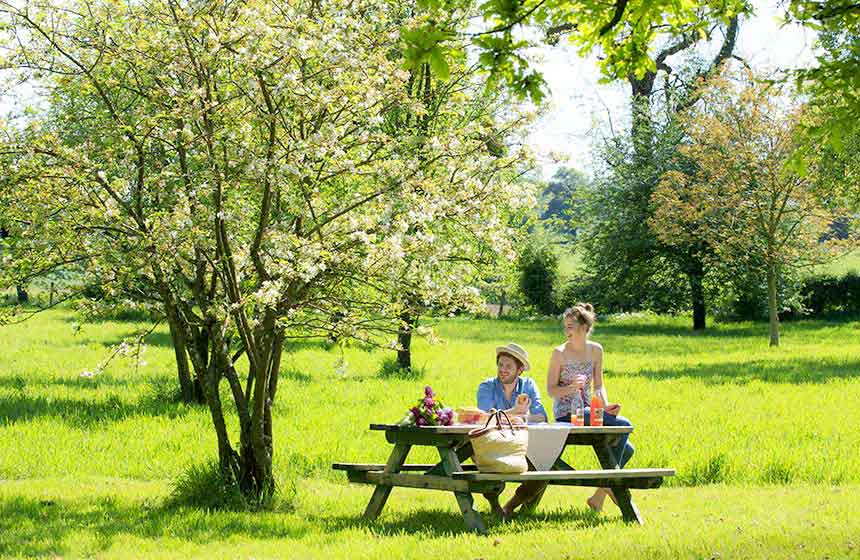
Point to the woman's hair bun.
(587, 306)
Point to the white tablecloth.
(546, 442)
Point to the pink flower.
(421, 421)
(428, 403)
(428, 392)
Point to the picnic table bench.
(450, 474)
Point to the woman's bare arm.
(597, 373)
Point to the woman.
(574, 367)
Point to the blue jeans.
(624, 450)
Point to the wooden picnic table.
(449, 474)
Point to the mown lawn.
(764, 442)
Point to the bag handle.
(493, 414)
(499, 415)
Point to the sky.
(581, 109)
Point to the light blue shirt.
(491, 394)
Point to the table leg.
(629, 511)
(450, 464)
(463, 452)
(381, 493)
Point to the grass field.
(764, 442)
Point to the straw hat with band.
(517, 352)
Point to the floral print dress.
(565, 406)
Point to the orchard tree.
(743, 194)
(238, 159)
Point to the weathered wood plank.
(463, 429)
(381, 493)
(423, 481)
(379, 467)
(431, 482)
(632, 483)
(431, 439)
(607, 474)
(596, 438)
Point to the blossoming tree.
(237, 161)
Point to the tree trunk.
(771, 305)
(228, 459)
(408, 321)
(696, 275)
(502, 305)
(642, 125)
(183, 372)
(251, 467)
(23, 297)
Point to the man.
(501, 393)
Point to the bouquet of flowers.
(428, 412)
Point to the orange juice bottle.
(596, 411)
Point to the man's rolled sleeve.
(486, 400)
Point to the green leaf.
(836, 139)
(438, 64)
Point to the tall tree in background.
(621, 250)
(743, 195)
(561, 197)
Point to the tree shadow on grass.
(88, 412)
(794, 371)
(31, 527)
(78, 383)
(39, 527)
(429, 522)
(442, 523)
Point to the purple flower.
(428, 392)
(421, 421)
(428, 403)
(415, 412)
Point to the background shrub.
(538, 266)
